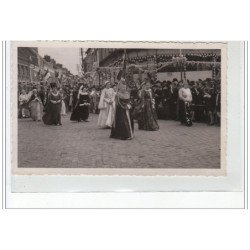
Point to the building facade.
(27, 64)
(33, 68)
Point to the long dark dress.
(210, 101)
(158, 93)
(52, 114)
(147, 116)
(81, 111)
(74, 98)
(122, 127)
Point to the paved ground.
(76, 145)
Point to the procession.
(124, 97)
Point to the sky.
(68, 57)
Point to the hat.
(53, 85)
(107, 82)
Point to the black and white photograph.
(119, 108)
(124, 125)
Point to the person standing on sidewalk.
(185, 99)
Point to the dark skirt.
(52, 114)
(122, 127)
(172, 106)
(80, 113)
(185, 113)
(210, 104)
(199, 112)
(147, 118)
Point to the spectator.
(185, 99)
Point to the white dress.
(106, 114)
(36, 109)
(185, 94)
(63, 109)
(23, 100)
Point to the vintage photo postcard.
(118, 108)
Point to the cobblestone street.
(77, 145)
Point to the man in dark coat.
(173, 96)
(158, 98)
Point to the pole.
(184, 70)
(156, 64)
(97, 57)
(213, 69)
(124, 63)
(99, 76)
(82, 66)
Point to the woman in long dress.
(122, 127)
(63, 108)
(81, 111)
(52, 114)
(36, 106)
(210, 104)
(23, 102)
(218, 106)
(185, 99)
(147, 113)
(71, 100)
(106, 106)
(93, 100)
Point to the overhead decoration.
(152, 64)
(153, 68)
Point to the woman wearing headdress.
(52, 114)
(81, 110)
(106, 106)
(147, 114)
(122, 127)
(36, 106)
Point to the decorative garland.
(152, 67)
(159, 58)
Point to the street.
(78, 145)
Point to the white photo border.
(233, 181)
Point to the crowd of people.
(202, 98)
(30, 93)
(118, 105)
